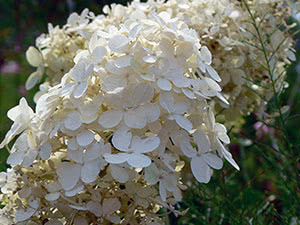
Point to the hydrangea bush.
(129, 102)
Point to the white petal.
(85, 138)
(149, 59)
(95, 208)
(116, 158)
(134, 32)
(81, 54)
(29, 158)
(144, 145)
(53, 187)
(135, 118)
(78, 71)
(188, 93)
(181, 81)
(111, 205)
(68, 174)
(123, 61)
(45, 151)
(34, 203)
(183, 122)
(201, 170)
(229, 158)
(152, 112)
(162, 191)
(148, 77)
(22, 215)
(212, 160)
(227, 155)
(220, 128)
(98, 53)
(138, 160)
(14, 112)
(141, 93)
(67, 89)
(80, 89)
(34, 57)
(15, 158)
(170, 182)
(166, 100)
(119, 173)
(74, 191)
(112, 85)
(291, 55)
(87, 119)
(89, 70)
(79, 207)
(112, 68)
(122, 139)
(93, 152)
(72, 121)
(164, 84)
(110, 118)
(118, 42)
(21, 109)
(52, 196)
(202, 141)
(21, 144)
(114, 219)
(211, 119)
(72, 144)
(93, 43)
(33, 79)
(90, 171)
(186, 146)
(180, 108)
(76, 156)
(150, 144)
(152, 174)
(206, 55)
(91, 107)
(201, 65)
(212, 84)
(222, 98)
(221, 131)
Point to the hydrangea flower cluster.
(223, 27)
(128, 103)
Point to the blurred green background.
(265, 191)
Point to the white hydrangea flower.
(202, 160)
(176, 110)
(8, 181)
(127, 102)
(22, 115)
(134, 146)
(79, 74)
(131, 105)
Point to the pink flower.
(10, 67)
(261, 129)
